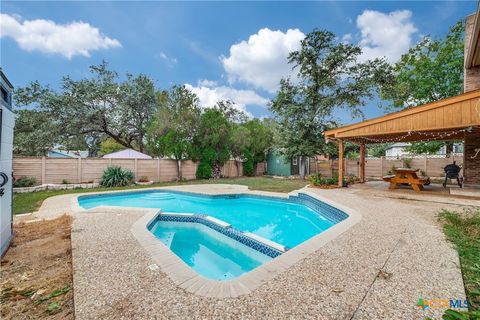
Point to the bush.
(65, 181)
(143, 179)
(317, 180)
(116, 177)
(407, 162)
(248, 165)
(204, 170)
(248, 168)
(24, 182)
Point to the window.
(4, 95)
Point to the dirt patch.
(36, 272)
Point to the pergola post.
(362, 163)
(340, 163)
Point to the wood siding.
(453, 113)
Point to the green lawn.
(29, 202)
(463, 229)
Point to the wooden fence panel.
(261, 169)
(92, 169)
(229, 169)
(189, 169)
(168, 170)
(55, 170)
(28, 167)
(373, 167)
(58, 170)
(147, 168)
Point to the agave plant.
(115, 176)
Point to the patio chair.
(452, 171)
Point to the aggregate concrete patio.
(377, 269)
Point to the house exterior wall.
(6, 147)
(395, 152)
(471, 162)
(471, 75)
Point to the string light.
(428, 136)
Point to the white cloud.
(262, 60)
(385, 35)
(207, 83)
(210, 95)
(171, 62)
(347, 37)
(68, 40)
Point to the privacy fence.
(55, 170)
(430, 165)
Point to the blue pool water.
(281, 221)
(207, 251)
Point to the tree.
(35, 133)
(329, 77)
(378, 150)
(173, 127)
(98, 106)
(261, 140)
(211, 140)
(240, 141)
(428, 147)
(430, 71)
(108, 146)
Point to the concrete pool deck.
(377, 269)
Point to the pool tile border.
(187, 279)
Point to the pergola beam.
(340, 163)
(362, 163)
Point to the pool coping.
(184, 277)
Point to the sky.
(219, 50)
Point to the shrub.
(143, 179)
(351, 178)
(392, 170)
(248, 165)
(407, 162)
(65, 181)
(204, 170)
(116, 177)
(248, 168)
(24, 182)
(317, 180)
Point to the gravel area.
(378, 269)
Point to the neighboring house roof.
(4, 77)
(127, 154)
(68, 153)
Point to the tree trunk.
(302, 167)
(449, 149)
(237, 163)
(179, 170)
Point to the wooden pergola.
(447, 119)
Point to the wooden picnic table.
(406, 175)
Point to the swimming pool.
(221, 248)
(286, 221)
(208, 252)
